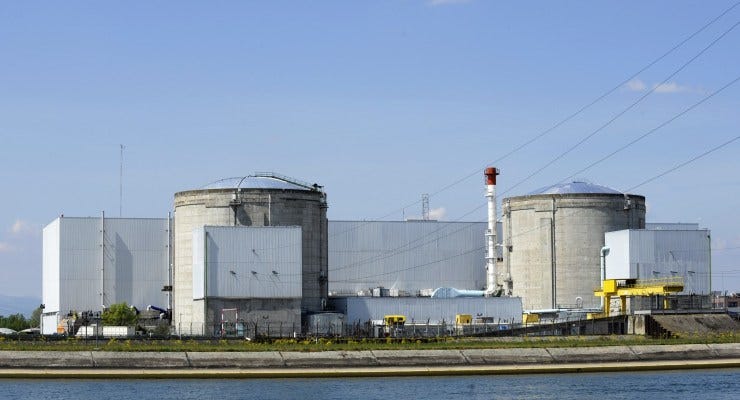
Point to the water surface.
(696, 384)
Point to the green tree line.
(19, 322)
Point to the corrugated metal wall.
(407, 256)
(663, 254)
(249, 262)
(134, 252)
(422, 309)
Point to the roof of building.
(575, 188)
(260, 181)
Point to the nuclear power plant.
(256, 255)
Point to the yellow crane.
(624, 288)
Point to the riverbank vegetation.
(345, 344)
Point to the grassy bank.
(312, 345)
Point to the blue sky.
(378, 101)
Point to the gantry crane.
(624, 288)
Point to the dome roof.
(260, 182)
(575, 188)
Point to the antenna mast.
(120, 186)
(425, 207)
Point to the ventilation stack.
(493, 288)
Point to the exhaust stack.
(493, 288)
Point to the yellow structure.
(529, 318)
(624, 288)
(394, 319)
(463, 319)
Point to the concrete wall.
(11, 362)
(256, 207)
(552, 244)
(278, 317)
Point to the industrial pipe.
(604, 253)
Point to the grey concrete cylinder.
(553, 239)
(250, 201)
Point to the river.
(694, 384)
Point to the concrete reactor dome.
(553, 239)
(254, 201)
(575, 187)
(263, 180)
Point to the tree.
(16, 322)
(35, 320)
(120, 314)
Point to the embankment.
(102, 364)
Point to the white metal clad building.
(423, 309)
(89, 263)
(660, 254)
(405, 255)
(243, 262)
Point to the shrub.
(120, 314)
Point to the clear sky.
(379, 101)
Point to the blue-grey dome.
(272, 181)
(575, 188)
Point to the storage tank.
(262, 199)
(553, 239)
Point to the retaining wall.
(363, 359)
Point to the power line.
(406, 247)
(726, 248)
(569, 117)
(628, 108)
(624, 111)
(683, 164)
(593, 102)
(402, 249)
(650, 132)
(415, 266)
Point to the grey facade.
(405, 255)
(91, 263)
(661, 254)
(553, 239)
(421, 310)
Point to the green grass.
(313, 345)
